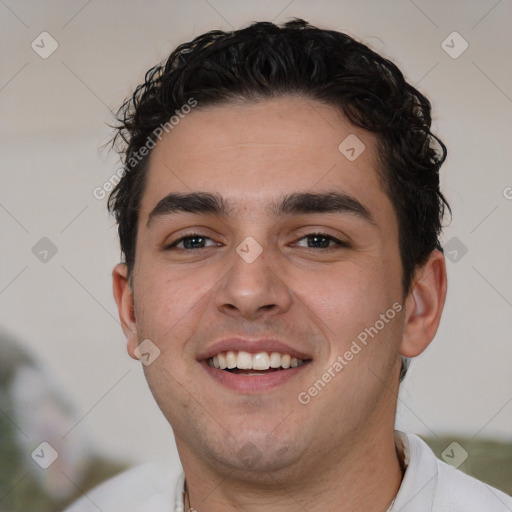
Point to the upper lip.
(253, 346)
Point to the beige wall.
(53, 119)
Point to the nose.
(253, 290)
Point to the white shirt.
(429, 485)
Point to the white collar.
(179, 506)
(419, 483)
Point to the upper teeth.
(260, 361)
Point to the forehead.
(252, 152)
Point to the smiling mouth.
(261, 363)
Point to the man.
(279, 219)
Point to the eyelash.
(191, 235)
(338, 242)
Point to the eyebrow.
(293, 204)
(195, 202)
(328, 202)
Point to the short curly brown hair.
(266, 61)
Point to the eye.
(320, 241)
(192, 241)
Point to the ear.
(123, 295)
(424, 305)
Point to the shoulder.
(457, 491)
(444, 488)
(145, 488)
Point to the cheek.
(167, 304)
(344, 294)
(348, 302)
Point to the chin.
(255, 456)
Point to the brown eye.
(321, 241)
(192, 241)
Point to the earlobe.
(123, 295)
(424, 305)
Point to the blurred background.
(66, 377)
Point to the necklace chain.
(180, 502)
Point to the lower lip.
(252, 383)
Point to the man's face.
(305, 295)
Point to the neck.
(365, 477)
